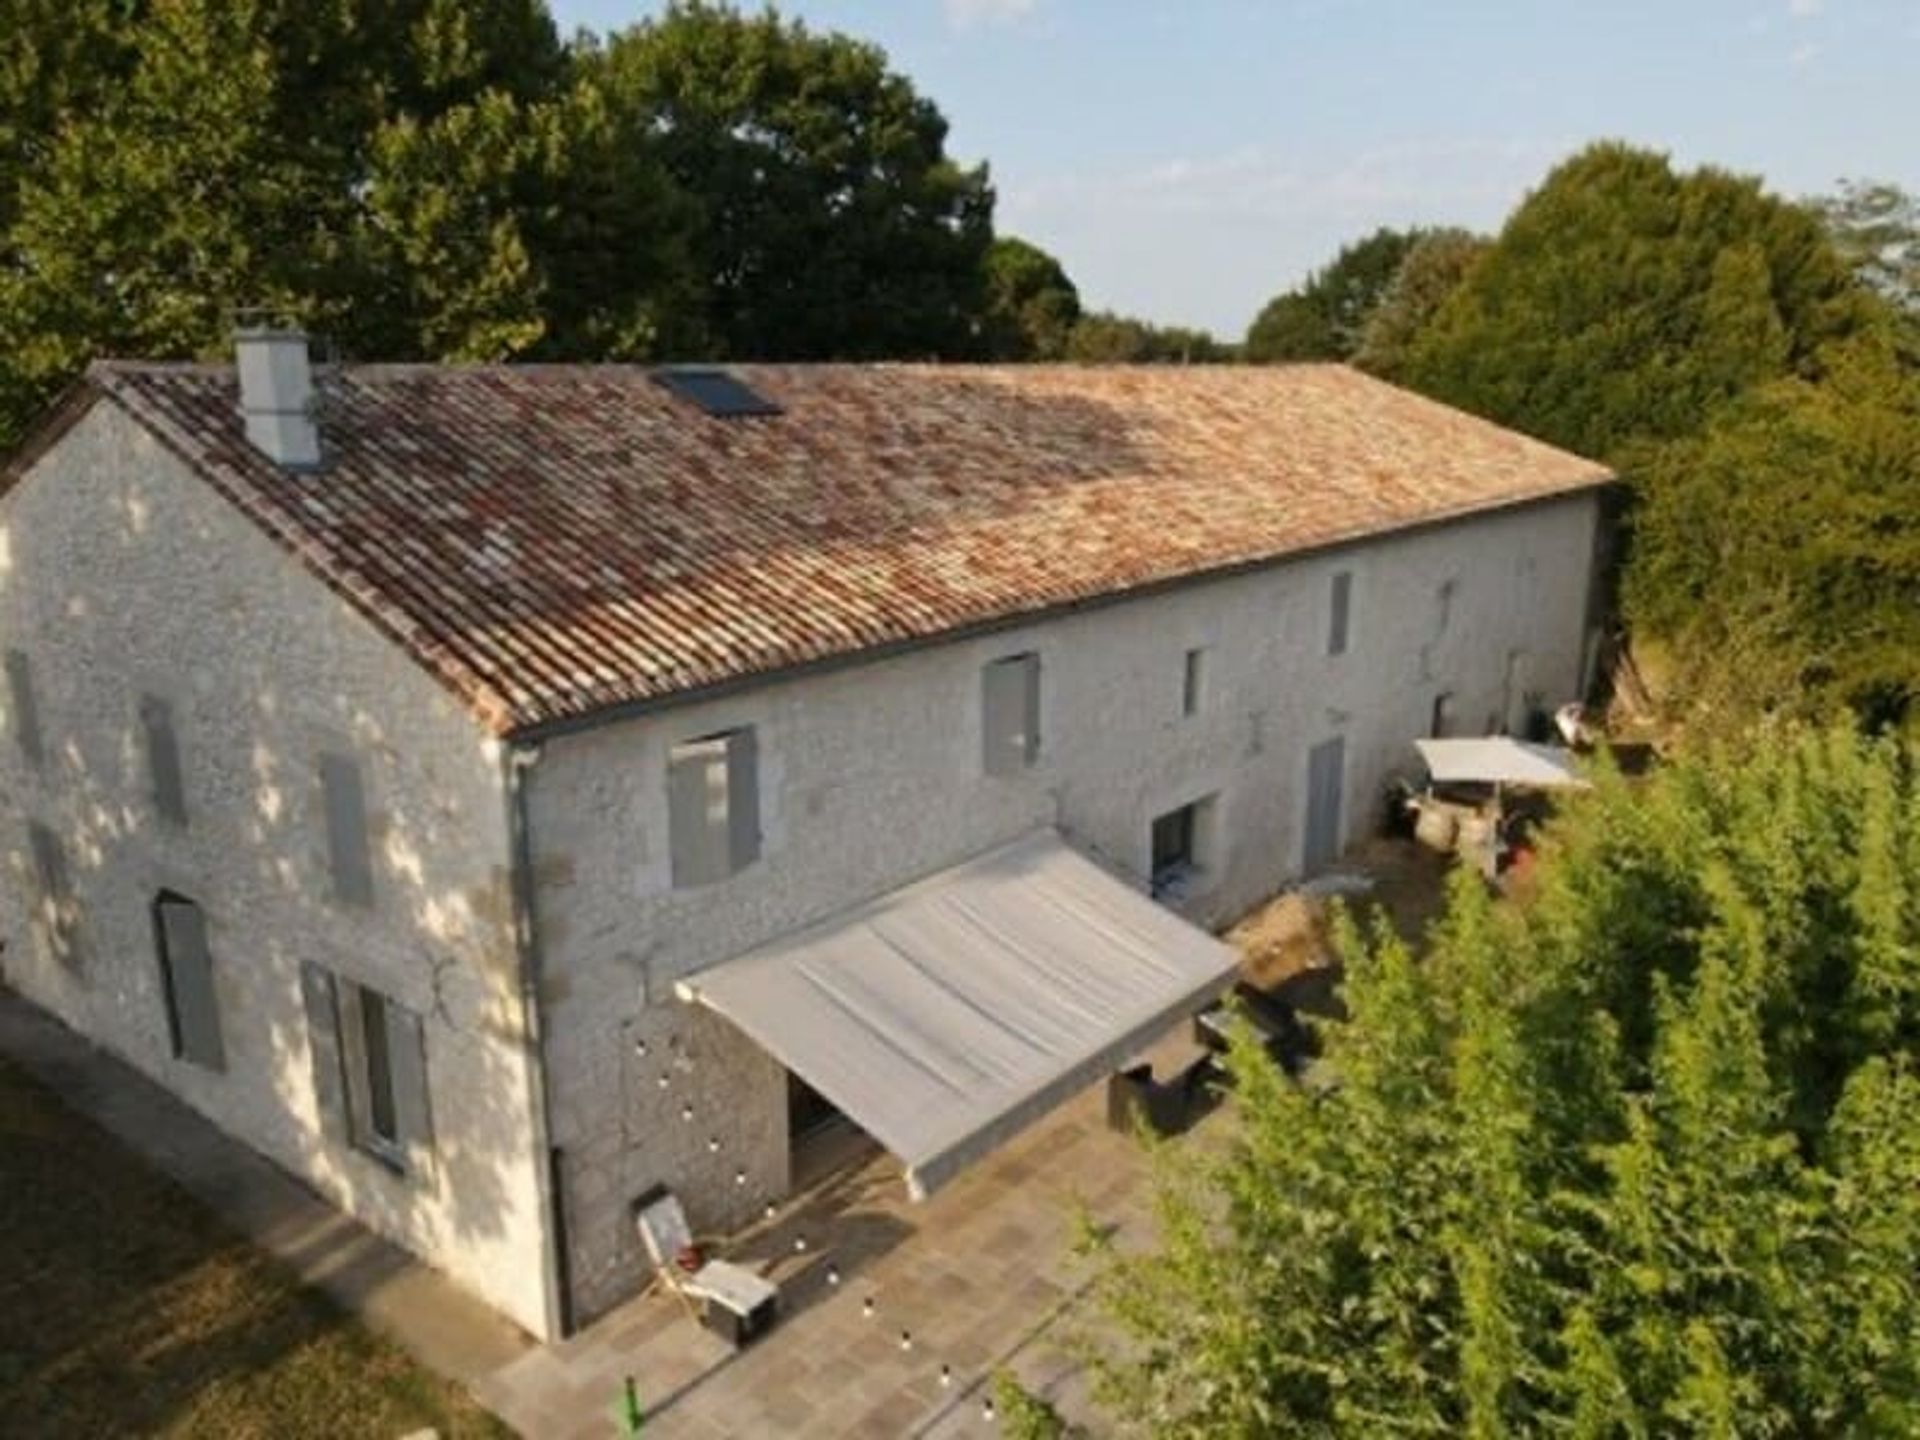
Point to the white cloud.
(1803, 56)
(965, 14)
(1805, 9)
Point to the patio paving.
(979, 1277)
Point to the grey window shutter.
(407, 1059)
(25, 708)
(57, 910)
(1010, 714)
(698, 809)
(193, 1007)
(1341, 615)
(743, 799)
(163, 760)
(323, 1042)
(347, 829)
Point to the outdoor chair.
(730, 1300)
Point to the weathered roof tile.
(551, 540)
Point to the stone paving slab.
(979, 1277)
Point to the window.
(369, 1070)
(23, 707)
(1179, 844)
(58, 914)
(717, 392)
(713, 805)
(346, 807)
(186, 976)
(163, 760)
(1339, 613)
(1442, 723)
(1193, 682)
(1010, 714)
(1444, 606)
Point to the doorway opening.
(821, 1138)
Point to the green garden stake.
(627, 1414)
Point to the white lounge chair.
(728, 1299)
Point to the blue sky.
(1187, 160)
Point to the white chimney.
(276, 395)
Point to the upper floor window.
(713, 805)
(1193, 682)
(1010, 714)
(186, 976)
(1340, 613)
(23, 708)
(348, 855)
(163, 760)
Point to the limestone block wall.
(870, 776)
(123, 576)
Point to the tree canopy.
(1625, 300)
(1032, 306)
(1637, 1157)
(1324, 317)
(828, 219)
(1104, 338)
(1435, 266)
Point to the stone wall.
(121, 575)
(870, 776)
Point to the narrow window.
(713, 806)
(1339, 613)
(186, 974)
(24, 708)
(1444, 606)
(1442, 723)
(370, 1070)
(163, 760)
(59, 913)
(1010, 714)
(1193, 682)
(347, 851)
(381, 1123)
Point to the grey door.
(1325, 763)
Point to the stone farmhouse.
(491, 792)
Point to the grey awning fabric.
(947, 1015)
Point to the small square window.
(1193, 682)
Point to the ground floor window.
(370, 1069)
(1179, 848)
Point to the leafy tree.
(1610, 309)
(1032, 306)
(1877, 227)
(829, 220)
(184, 159)
(1634, 1157)
(1104, 338)
(1778, 550)
(1324, 317)
(1433, 269)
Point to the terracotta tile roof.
(550, 540)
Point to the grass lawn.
(127, 1309)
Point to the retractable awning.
(946, 1016)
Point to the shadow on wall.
(437, 937)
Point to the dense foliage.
(1323, 318)
(1637, 1157)
(1103, 338)
(1032, 307)
(1436, 266)
(446, 179)
(1625, 300)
